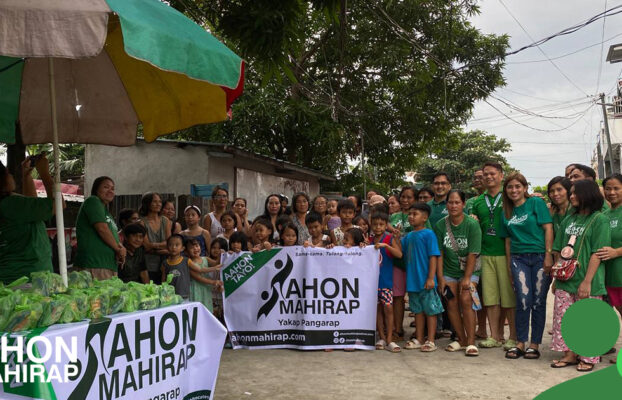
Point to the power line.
(602, 46)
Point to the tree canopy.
(402, 76)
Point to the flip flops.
(471, 351)
(393, 347)
(585, 366)
(562, 363)
(453, 347)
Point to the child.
(363, 226)
(420, 249)
(389, 248)
(263, 235)
(238, 242)
(178, 265)
(134, 268)
(353, 237)
(219, 245)
(201, 285)
(288, 235)
(314, 225)
(280, 222)
(228, 221)
(331, 210)
(346, 214)
(192, 216)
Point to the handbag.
(454, 247)
(565, 269)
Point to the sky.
(564, 90)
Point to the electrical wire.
(602, 46)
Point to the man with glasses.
(441, 187)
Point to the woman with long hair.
(558, 190)
(158, 231)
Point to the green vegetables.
(47, 301)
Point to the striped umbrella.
(92, 71)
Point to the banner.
(169, 353)
(303, 298)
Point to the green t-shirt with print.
(558, 218)
(524, 228)
(439, 211)
(24, 243)
(93, 252)
(588, 241)
(492, 244)
(468, 237)
(613, 268)
(468, 206)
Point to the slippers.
(453, 347)
(613, 360)
(514, 353)
(490, 343)
(413, 344)
(562, 363)
(381, 344)
(471, 351)
(393, 347)
(585, 366)
(509, 344)
(428, 347)
(531, 354)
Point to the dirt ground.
(290, 374)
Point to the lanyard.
(491, 209)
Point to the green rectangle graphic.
(245, 266)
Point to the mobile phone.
(33, 159)
(447, 293)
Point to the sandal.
(585, 366)
(509, 344)
(393, 347)
(531, 354)
(490, 343)
(413, 344)
(613, 360)
(514, 353)
(562, 363)
(381, 344)
(428, 347)
(453, 347)
(471, 351)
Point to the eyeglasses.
(440, 183)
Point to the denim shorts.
(449, 279)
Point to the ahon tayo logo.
(279, 278)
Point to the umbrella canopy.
(117, 63)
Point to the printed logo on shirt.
(613, 223)
(574, 229)
(462, 243)
(111, 222)
(518, 220)
(444, 212)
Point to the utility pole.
(363, 164)
(609, 145)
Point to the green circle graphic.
(590, 327)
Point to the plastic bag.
(80, 280)
(25, 314)
(47, 283)
(53, 308)
(132, 299)
(98, 304)
(7, 304)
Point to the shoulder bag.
(565, 268)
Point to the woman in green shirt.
(589, 228)
(99, 250)
(527, 228)
(612, 255)
(558, 190)
(461, 282)
(24, 243)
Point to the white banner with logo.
(303, 298)
(170, 353)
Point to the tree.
(400, 75)
(463, 154)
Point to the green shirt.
(596, 236)
(492, 244)
(613, 268)
(439, 211)
(524, 228)
(93, 252)
(468, 206)
(558, 218)
(24, 243)
(399, 220)
(468, 237)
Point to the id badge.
(491, 232)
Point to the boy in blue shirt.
(421, 253)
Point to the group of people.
(459, 262)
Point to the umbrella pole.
(58, 197)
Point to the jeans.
(531, 286)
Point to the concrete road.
(411, 374)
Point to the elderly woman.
(23, 240)
(99, 249)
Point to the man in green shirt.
(478, 185)
(498, 295)
(441, 186)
